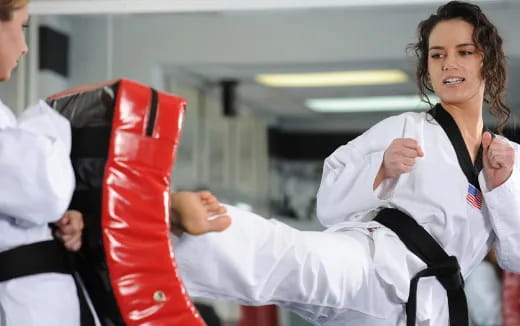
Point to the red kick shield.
(124, 137)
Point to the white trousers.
(329, 278)
(39, 300)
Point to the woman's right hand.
(398, 158)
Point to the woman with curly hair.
(413, 205)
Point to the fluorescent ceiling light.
(337, 78)
(369, 104)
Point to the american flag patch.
(474, 197)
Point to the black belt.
(42, 257)
(445, 268)
(35, 258)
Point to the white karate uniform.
(358, 272)
(36, 185)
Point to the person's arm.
(37, 179)
(361, 175)
(500, 184)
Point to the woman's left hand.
(70, 229)
(498, 159)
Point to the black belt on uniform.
(445, 268)
(35, 258)
(42, 257)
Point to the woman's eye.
(466, 52)
(25, 26)
(436, 56)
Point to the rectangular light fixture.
(334, 78)
(369, 104)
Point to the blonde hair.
(8, 6)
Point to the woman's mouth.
(453, 80)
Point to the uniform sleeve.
(257, 261)
(503, 204)
(346, 191)
(37, 179)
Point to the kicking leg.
(259, 261)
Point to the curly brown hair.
(8, 6)
(486, 39)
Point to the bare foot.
(191, 213)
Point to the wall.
(227, 155)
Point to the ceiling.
(240, 39)
(53, 7)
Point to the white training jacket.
(36, 185)
(358, 272)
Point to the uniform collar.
(451, 129)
